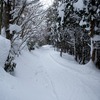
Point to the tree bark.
(1, 11)
(7, 18)
(92, 53)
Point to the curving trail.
(43, 75)
(68, 82)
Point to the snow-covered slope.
(43, 75)
(4, 50)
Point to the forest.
(75, 28)
(68, 27)
(49, 49)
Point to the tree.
(52, 21)
(21, 20)
(67, 31)
(90, 15)
(1, 10)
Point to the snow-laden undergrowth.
(43, 75)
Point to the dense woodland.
(76, 30)
(68, 28)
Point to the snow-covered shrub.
(31, 44)
(10, 65)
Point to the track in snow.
(67, 82)
(44, 75)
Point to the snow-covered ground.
(4, 50)
(43, 75)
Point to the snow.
(46, 3)
(3, 32)
(4, 50)
(96, 38)
(61, 11)
(82, 22)
(5, 1)
(14, 27)
(79, 5)
(43, 75)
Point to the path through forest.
(43, 75)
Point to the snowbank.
(4, 50)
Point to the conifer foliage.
(77, 29)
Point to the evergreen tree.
(52, 22)
(90, 15)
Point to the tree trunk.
(7, 18)
(91, 35)
(1, 11)
(61, 52)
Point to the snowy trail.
(77, 85)
(44, 75)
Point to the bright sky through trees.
(47, 3)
